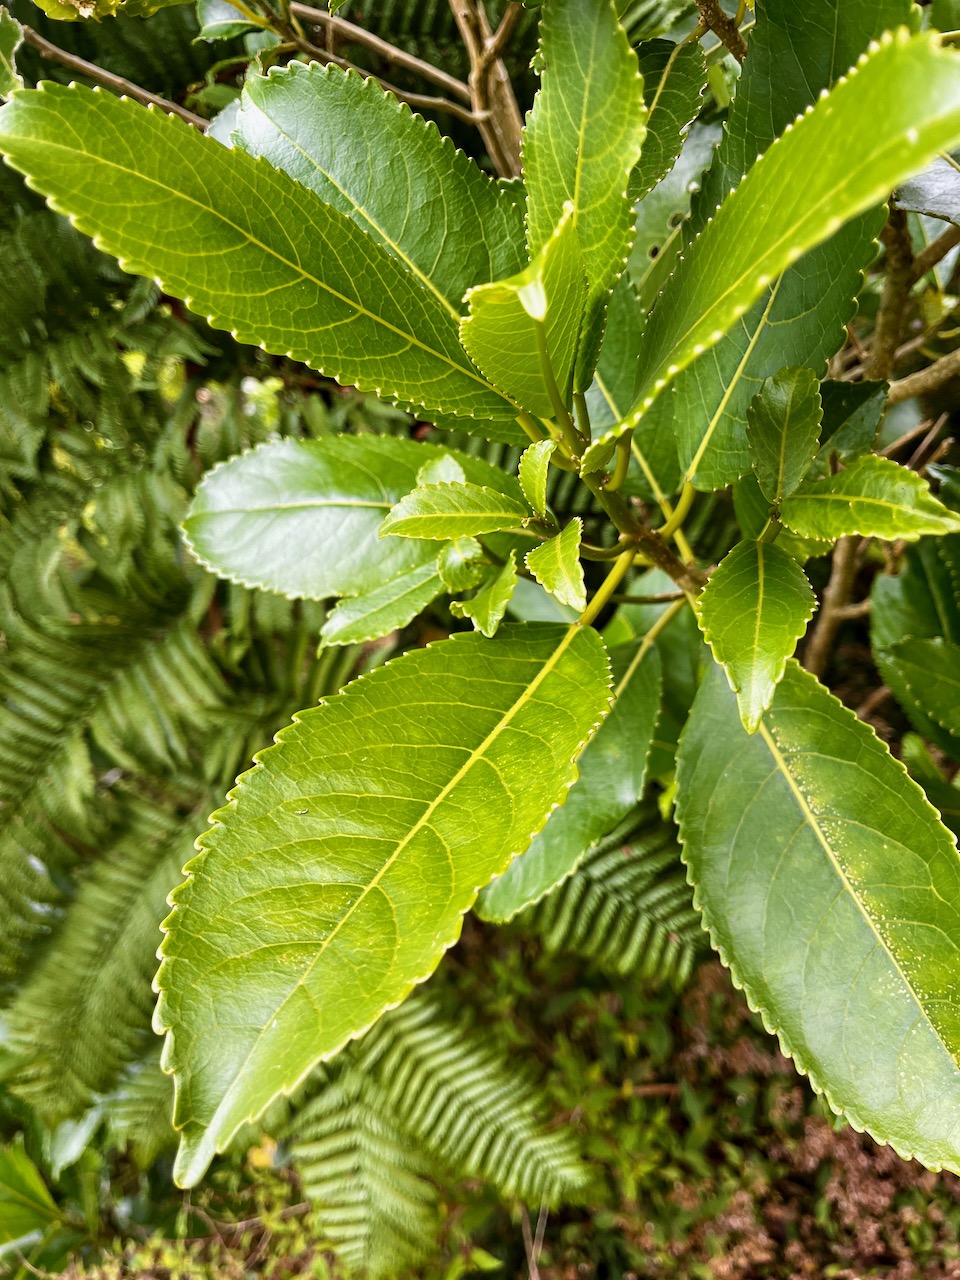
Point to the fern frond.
(84, 1012)
(459, 1098)
(627, 906)
(369, 1186)
(139, 1111)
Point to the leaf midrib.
(813, 823)
(368, 218)
(279, 257)
(475, 757)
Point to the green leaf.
(462, 564)
(832, 891)
(454, 511)
(930, 669)
(11, 38)
(219, 20)
(486, 609)
(516, 327)
(613, 771)
(935, 192)
(25, 1203)
(580, 144)
(556, 566)
(753, 513)
(798, 194)
(244, 245)
(783, 427)
(852, 412)
(389, 607)
(753, 610)
(873, 497)
(674, 77)
(533, 472)
(357, 874)
(392, 172)
(302, 516)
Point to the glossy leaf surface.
(533, 471)
(454, 511)
(852, 413)
(389, 170)
(935, 192)
(385, 609)
(753, 610)
(244, 245)
(556, 566)
(795, 196)
(486, 609)
(832, 891)
(302, 517)
(356, 844)
(581, 142)
(930, 669)
(783, 427)
(872, 497)
(11, 37)
(462, 564)
(674, 77)
(510, 319)
(796, 52)
(613, 770)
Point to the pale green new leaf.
(832, 891)
(520, 330)
(613, 772)
(341, 869)
(462, 564)
(930, 669)
(385, 609)
(533, 471)
(220, 20)
(674, 77)
(580, 144)
(487, 608)
(783, 427)
(556, 566)
(25, 1203)
(392, 172)
(800, 192)
(454, 511)
(752, 612)
(244, 245)
(873, 497)
(302, 516)
(11, 38)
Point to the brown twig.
(723, 27)
(935, 252)
(926, 380)
(835, 598)
(389, 52)
(897, 284)
(107, 78)
(919, 456)
(494, 103)
(872, 701)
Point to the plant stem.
(681, 511)
(54, 54)
(935, 252)
(583, 417)
(835, 598)
(896, 289)
(389, 52)
(560, 410)
(623, 463)
(619, 570)
(492, 99)
(723, 27)
(927, 380)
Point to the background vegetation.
(134, 687)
